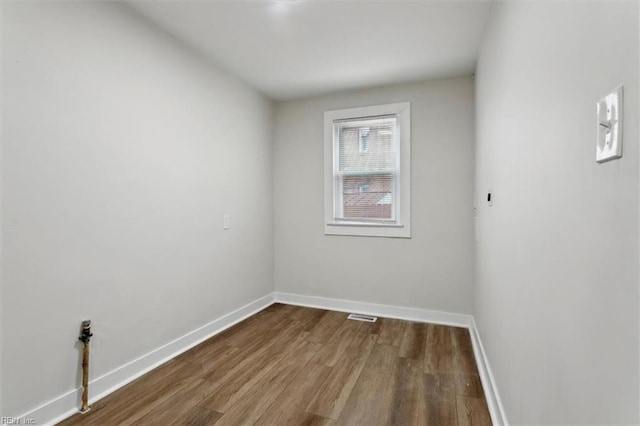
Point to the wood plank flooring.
(289, 365)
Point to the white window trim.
(401, 227)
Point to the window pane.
(367, 197)
(367, 169)
(367, 145)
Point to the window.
(367, 171)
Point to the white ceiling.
(301, 48)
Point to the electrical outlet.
(609, 124)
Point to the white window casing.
(383, 167)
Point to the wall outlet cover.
(609, 123)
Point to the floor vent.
(359, 317)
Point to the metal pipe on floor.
(85, 338)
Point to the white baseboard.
(496, 409)
(388, 311)
(67, 404)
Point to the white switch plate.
(226, 221)
(609, 116)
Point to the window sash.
(339, 175)
(339, 197)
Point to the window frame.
(401, 226)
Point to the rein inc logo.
(17, 421)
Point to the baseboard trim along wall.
(388, 311)
(496, 409)
(67, 404)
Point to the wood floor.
(289, 365)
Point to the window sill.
(367, 224)
(364, 229)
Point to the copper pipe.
(85, 338)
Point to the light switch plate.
(609, 116)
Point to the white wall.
(557, 255)
(122, 152)
(1, 233)
(433, 269)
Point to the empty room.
(327, 212)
